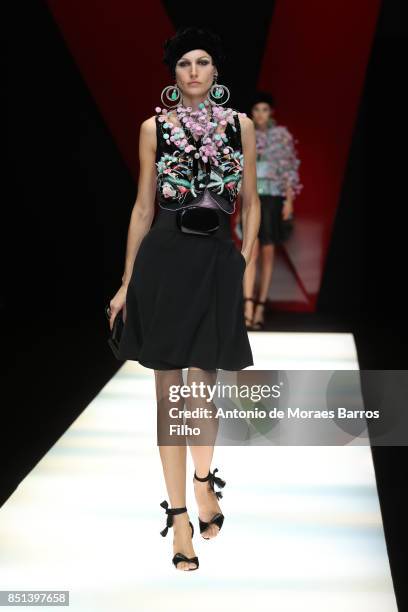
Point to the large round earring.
(172, 93)
(218, 91)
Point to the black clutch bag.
(198, 220)
(115, 332)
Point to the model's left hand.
(287, 209)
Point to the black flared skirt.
(184, 303)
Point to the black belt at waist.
(166, 220)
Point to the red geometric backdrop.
(111, 44)
(315, 61)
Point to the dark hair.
(262, 96)
(191, 37)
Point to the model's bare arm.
(251, 206)
(143, 209)
(142, 212)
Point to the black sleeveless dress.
(184, 303)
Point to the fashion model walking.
(181, 290)
(277, 184)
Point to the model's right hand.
(117, 303)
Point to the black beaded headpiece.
(190, 38)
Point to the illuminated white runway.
(302, 532)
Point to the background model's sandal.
(169, 523)
(259, 325)
(218, 518)
(248, 321)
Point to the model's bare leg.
(174, 464)
(267, 260)
(202, 454)
(249, 280)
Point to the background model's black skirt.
(184, 303)
(272, 229)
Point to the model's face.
(196, 66)
(261, 113)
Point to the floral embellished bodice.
(277, 162)
(184, 180)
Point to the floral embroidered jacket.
(277, 162)
(182, 179)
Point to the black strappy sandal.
(169, 523)
(218, 518)
(259, 325)
(248, 322)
